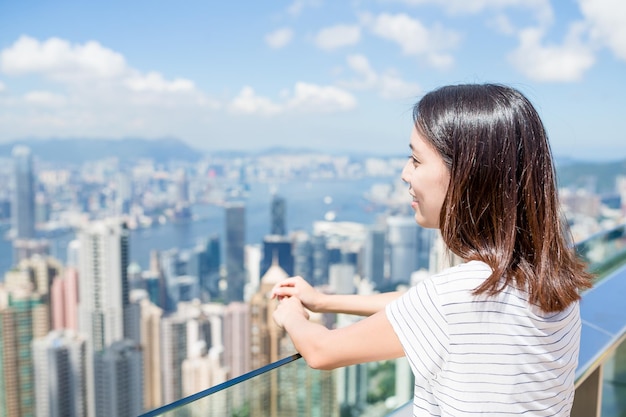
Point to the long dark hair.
(502, 202)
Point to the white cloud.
(541, 8)
(154, 82)
(296, 7)
(368, 77)
(325, 99)
(607, 23)
(392, 87)
(305, 97)
(414, 38)
(338, 36)
(247, 102)
(502, 24)
(44, 98)
(279, 38)
(565, 63)
(2, 87)
(388, 85)
(58, 59)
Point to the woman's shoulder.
(467, 274)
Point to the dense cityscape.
(89, 328)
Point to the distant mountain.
(70, 151)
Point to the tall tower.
(266, 335)
(277, 248)
(23, 210)
(236, 329)
(235, 242)
(302, 256)
(20, 323)
(104, 303)
(278, 214)
(59, 363)
(173, 353)
(119, 380)
(103, 285)
(151, 347)
(374, 262)
(402, 234)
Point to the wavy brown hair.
(502, 202)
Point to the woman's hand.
(298, 287)
(289, 308)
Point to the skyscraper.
(59, 363)
(64, 301)
(103, 285)
(402, 234)
(23, 209)
(173, 353)
(237, 338)
(278, 215)
(235, 242)
(119, 380)
(374, 256)
(302, 256)
(265, 334)
(277, 248)
(104, 307)
(22, 319)
(151, 347)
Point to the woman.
(498, 334)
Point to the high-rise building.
(124, 195)
(265, 339)
(402, 239)
(265, 334)
(302, 256)
(237, 339)
(173, 353)
(235, 242)
(319, 260)
(182, 187)
(278, 216)
(64, 301)
(103, 285)
(23, 317)
(59, 366)
(374, 256)
(151, 347)
(23, 209)
(204, 263)
(171, 267)
(119, 380)
(277, 248)
(104, 313)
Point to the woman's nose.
(405, 172)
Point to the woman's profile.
(498, 334)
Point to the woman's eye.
(414, 160)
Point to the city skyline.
(306, 73)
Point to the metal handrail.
(220, 387)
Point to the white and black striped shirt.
(487, 356)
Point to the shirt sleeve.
(417, 319)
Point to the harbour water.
(307, 202)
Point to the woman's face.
(428, 178)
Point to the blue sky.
(335, 75)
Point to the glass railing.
(290, 388)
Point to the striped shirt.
(487, 356)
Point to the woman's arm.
(370, 339)
(362, 305)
